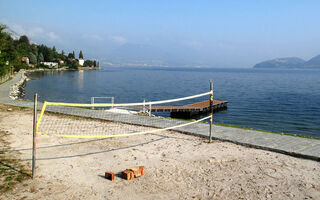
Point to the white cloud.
(118, 39)
(52, 36)
(35, 31)
(17, 28)
(31, 30)
(92, 37)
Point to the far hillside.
(290, 63)
(19, 53)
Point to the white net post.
(92, 102)
(34, 135)
(211, 111)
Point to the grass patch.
(26, 100)
(24, 108)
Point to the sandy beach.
(177, 166)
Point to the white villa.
(50, 64)
(25, 59)
(81, 61)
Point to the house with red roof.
(25, 59)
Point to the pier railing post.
(34, 135)
(92, 102)
(211, 111)
(150, 109)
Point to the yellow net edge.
(123, 135)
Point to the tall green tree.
(80, 55)
(41, 58)
(34, 49)
(32, 58)
(70, 56)
(24, 39)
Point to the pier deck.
(190, 110)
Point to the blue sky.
(214, 33)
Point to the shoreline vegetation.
(17, 54)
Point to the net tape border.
(124, 135)
(114, 105)
(129, 104)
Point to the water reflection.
(80, 79)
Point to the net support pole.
(150, 109)
(34, 135)
(211, 111)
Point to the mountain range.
(290, 62)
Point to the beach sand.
(177, 166)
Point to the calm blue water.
(276, 100)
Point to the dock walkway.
(295, 146)
(190, 110)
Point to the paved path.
(295, 146)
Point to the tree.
(32, 58)
(41, 59)
(70, 56)
(34, 49)
(94, 63)
(24, 39)
(23, 49)
(54, 49)
(62, 52)
(73, 55)
(88, 63)
(80, 55)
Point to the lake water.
(285, 101)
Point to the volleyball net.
(99, 120)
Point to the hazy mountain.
(149, 55)
(290, 62)
(12, 33)
(313, 62)
(139, 53)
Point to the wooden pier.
(190, 110)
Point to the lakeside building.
(50, 64)
(25, 59)
(81, 61)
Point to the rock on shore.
(15, 89)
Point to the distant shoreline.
(17, 90)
